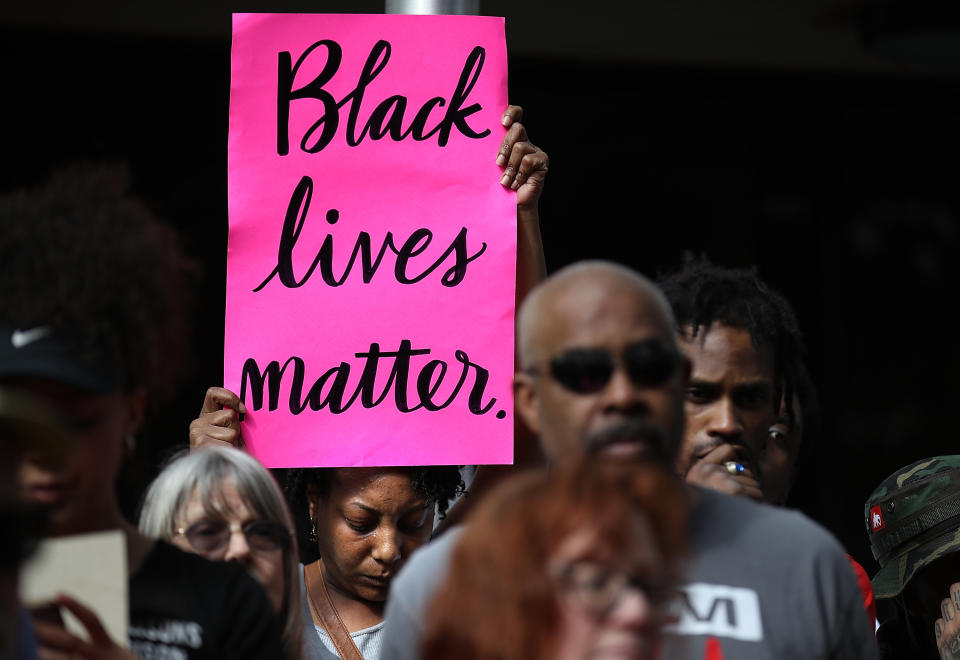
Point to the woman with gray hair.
(221, 503)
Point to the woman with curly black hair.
(368, 521)
(364, 523)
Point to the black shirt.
(184, 606)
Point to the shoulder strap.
(328, 615)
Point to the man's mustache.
(636, 430)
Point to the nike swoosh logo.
(21, 338)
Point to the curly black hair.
(82, 257)
(439, 484)
(702, 294)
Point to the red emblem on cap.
(876, 519)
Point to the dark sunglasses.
(211, 537)
(589, 370)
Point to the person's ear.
(526, 401)
(313, 502)
(135, 402)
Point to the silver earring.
(131, 443)
(313, 530)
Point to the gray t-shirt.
(762, 583)
(316, 641)
(765, 582)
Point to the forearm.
(531, 263)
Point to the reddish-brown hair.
(498, 601)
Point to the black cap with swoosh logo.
(38, 353)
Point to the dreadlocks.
(702, 294)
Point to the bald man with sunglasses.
(600, 373)
(599, 368)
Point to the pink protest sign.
(372, 251)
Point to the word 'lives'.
(387, 117)
(330, 390)
(415, 244)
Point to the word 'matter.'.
(330, 389)
(387, 118)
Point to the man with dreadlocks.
(748, 386)
(746, 351)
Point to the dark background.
(807, 139)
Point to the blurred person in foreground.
(913, 522)
(600, 373)
(92, 325)
(568, 564)
(25, 425)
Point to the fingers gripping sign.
(512, 115)
(219, 420)
(525, 165)
(947, 629)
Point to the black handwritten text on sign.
(388, 119)
(324, 393)
(415, 244)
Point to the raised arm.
(525, 170)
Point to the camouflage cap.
(913, 519)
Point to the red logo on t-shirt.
(876, 518)
(713, 650)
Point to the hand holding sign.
(525, 165)
(219, 419)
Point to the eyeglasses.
(597, 587)
(588, 370)
(211, 537)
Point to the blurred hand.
(525, 165)
(710, 471)
(219, 420)
(55, 643)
